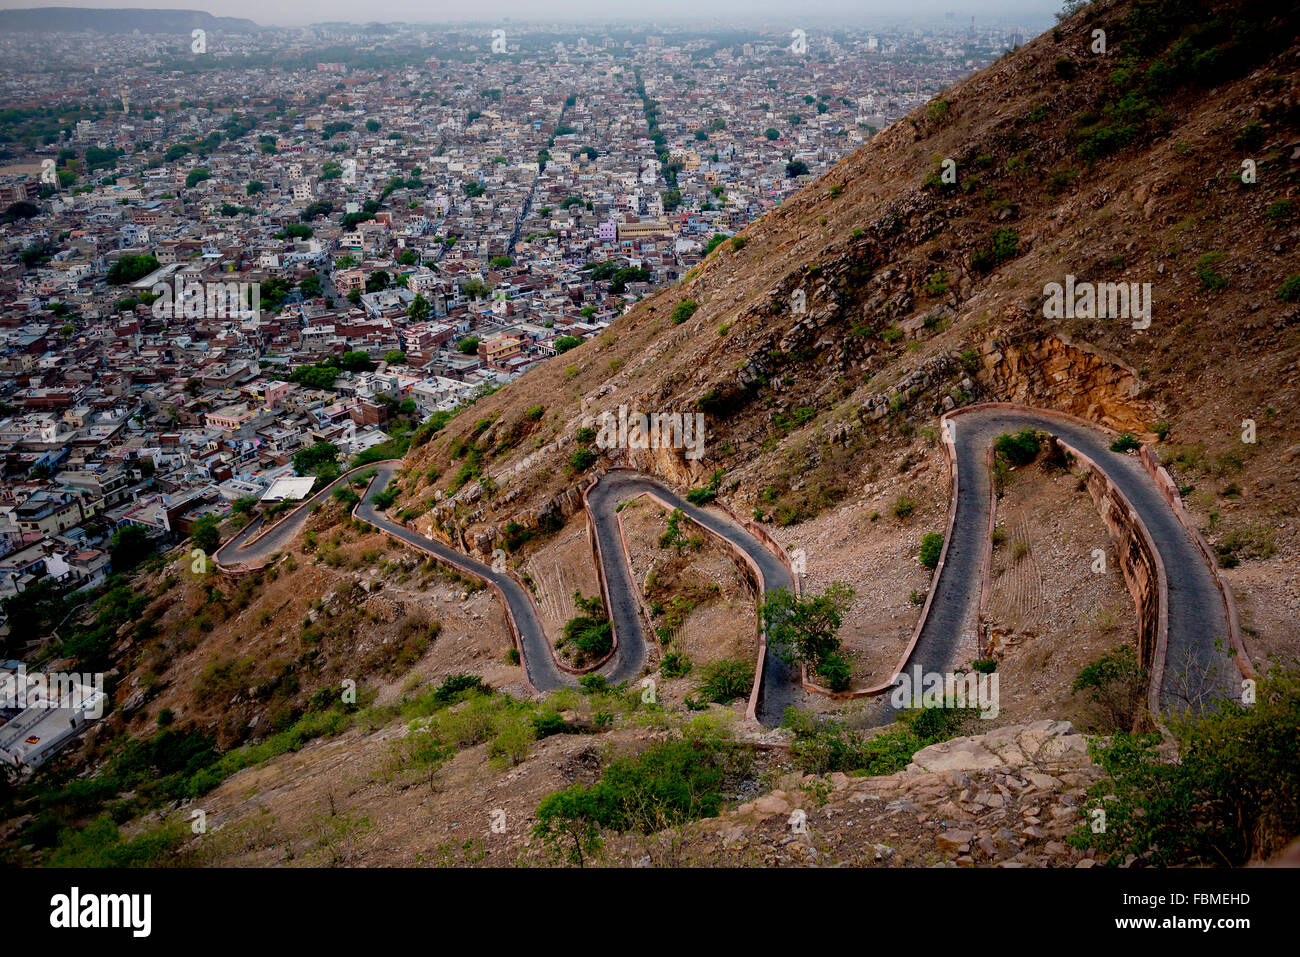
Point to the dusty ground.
(559, 566)
(1049, 613)
(698, 595)
(864, 544)
(1268, 603)
(343, 604)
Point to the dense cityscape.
(233, 258)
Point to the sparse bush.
(1231, 796)
(931, 549)
(725, 681)
(705, 494)
(1128, 442)
(1115, 685)
(1003, 245)
(1209, 277)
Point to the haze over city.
(845, 12)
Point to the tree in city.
(356, 361)
(311, 460)
(130, 268)
(206, 533)
(129, 546)
(310, 287)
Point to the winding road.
(1197, 631)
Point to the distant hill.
(125, 20)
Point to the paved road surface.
(1198, 629)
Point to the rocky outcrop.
(1007, 798)
(1057, 373)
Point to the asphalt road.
(1197, 659)
(1198, 644)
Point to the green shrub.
(382, 500)
(936, 284)
(931, 549)
(665, 786)
(835, 670)
(724, 681)
(675, 665)
(705, 494)
(1003, 245)
(582, 459)
(458, 687)
(1019, 449)
(590, 632)
(1128, 442)
(684, 310)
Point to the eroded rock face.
(1057, 373)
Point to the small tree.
(566, 824)
(206, 533)
(130, 546)
(1115, 685)
(310, 460)
(805, 630)
(931, 549)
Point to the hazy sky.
(288, 12)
